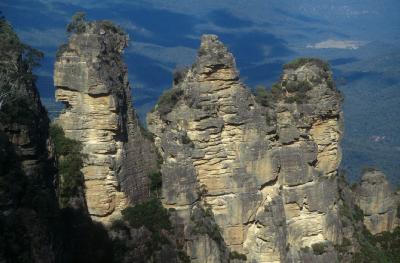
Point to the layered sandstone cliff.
(264, 174)
(379, 202)
(92, 81)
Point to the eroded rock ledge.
(264, 172)
(92, 81)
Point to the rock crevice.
(269, 182)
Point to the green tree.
(17, 62)
(78, 23)
(69, 163)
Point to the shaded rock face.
(378, 201)
(266, 174)
(27, 196)
(26, 188)
(92, 80)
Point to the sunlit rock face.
(265, 173)
(378, 201)
(92, 81)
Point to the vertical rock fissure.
(269, 182)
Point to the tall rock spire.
(92, 81)
(263, 169)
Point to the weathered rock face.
(265, 174)
(92, 80)
(378, 201)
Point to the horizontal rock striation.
(92, 81)
(263, 172)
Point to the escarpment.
(233, 175)
(92, 81)
(265, 173)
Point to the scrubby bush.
(155, 182)
(69, 164)
(168, 100)
(384, 247)
(319, 248)
(61, 49)
(276, 89)
(179, 74)
(294, 64)
(16, 65)
(187, 141)
(390, 243)
(268, 98)
(237, 255)
(297, 91)
(358, 214)
(204, 223)
(368, 169)
(355, 213)
(78, 23)
(298, 98)
(262, 95)
(110, 26)
(154, 217)
(151, 215)
(183, 257)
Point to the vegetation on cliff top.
(79, 24)
(168, 100)
(294, 64)
(17, 63)
(265, 97)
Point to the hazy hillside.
(359, 38)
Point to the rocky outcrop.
(27, 197)
(92, 81)
(265, 172)
(378, 201)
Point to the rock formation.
(245, 177)
(264, 174)
(27, 197)
(92, 81)
(378, 201)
